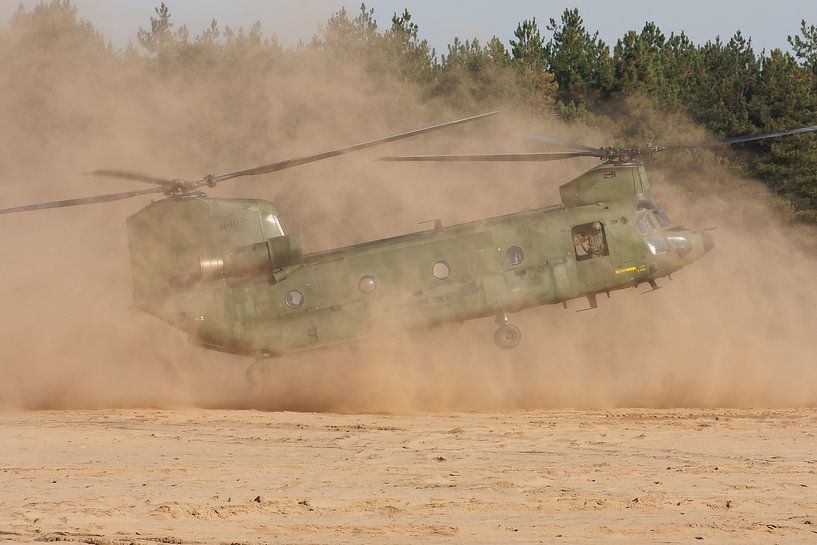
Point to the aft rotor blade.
(85, 200)
(289, 163)
(534, 157)
(135, 177)
(547, 139)
(739, 139)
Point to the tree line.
(562, 69)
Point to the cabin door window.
(589, 241)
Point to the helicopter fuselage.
(233, 288)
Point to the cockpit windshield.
(649, 220)
(645, 223)
(652, 209)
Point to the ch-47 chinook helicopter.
(224, 271)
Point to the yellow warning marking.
(626, 270)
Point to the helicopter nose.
(708, 241)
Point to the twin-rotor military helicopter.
(224, 271)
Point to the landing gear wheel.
(507, 336)
(258, 373)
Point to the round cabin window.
(514, 255)
(367, 284)
(294, 299)
(441, 270)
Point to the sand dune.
(199, 476)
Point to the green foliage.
(724, 83)
(397, 50)
(529, 47)
(786, 98)
(345, 38)
(405, 50)
(160, 34)
(579, 61)
(470, 72)
(535, 86)
(650, 64)
(486, 75)
(805, 46)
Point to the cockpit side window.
(662, 218)
(589, 241)
(273, 226)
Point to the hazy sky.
(767, 22)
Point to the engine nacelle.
(263, 257)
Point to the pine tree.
(579, 61)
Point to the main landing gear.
(507, 335)
(259, 372)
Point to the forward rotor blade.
(547, 139)
(739, 139)
(551, 156)
(289, 163)
(85, 200)
(135, 177)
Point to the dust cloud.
(735, 329)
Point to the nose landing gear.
(507, 335)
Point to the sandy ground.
(205, 476)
